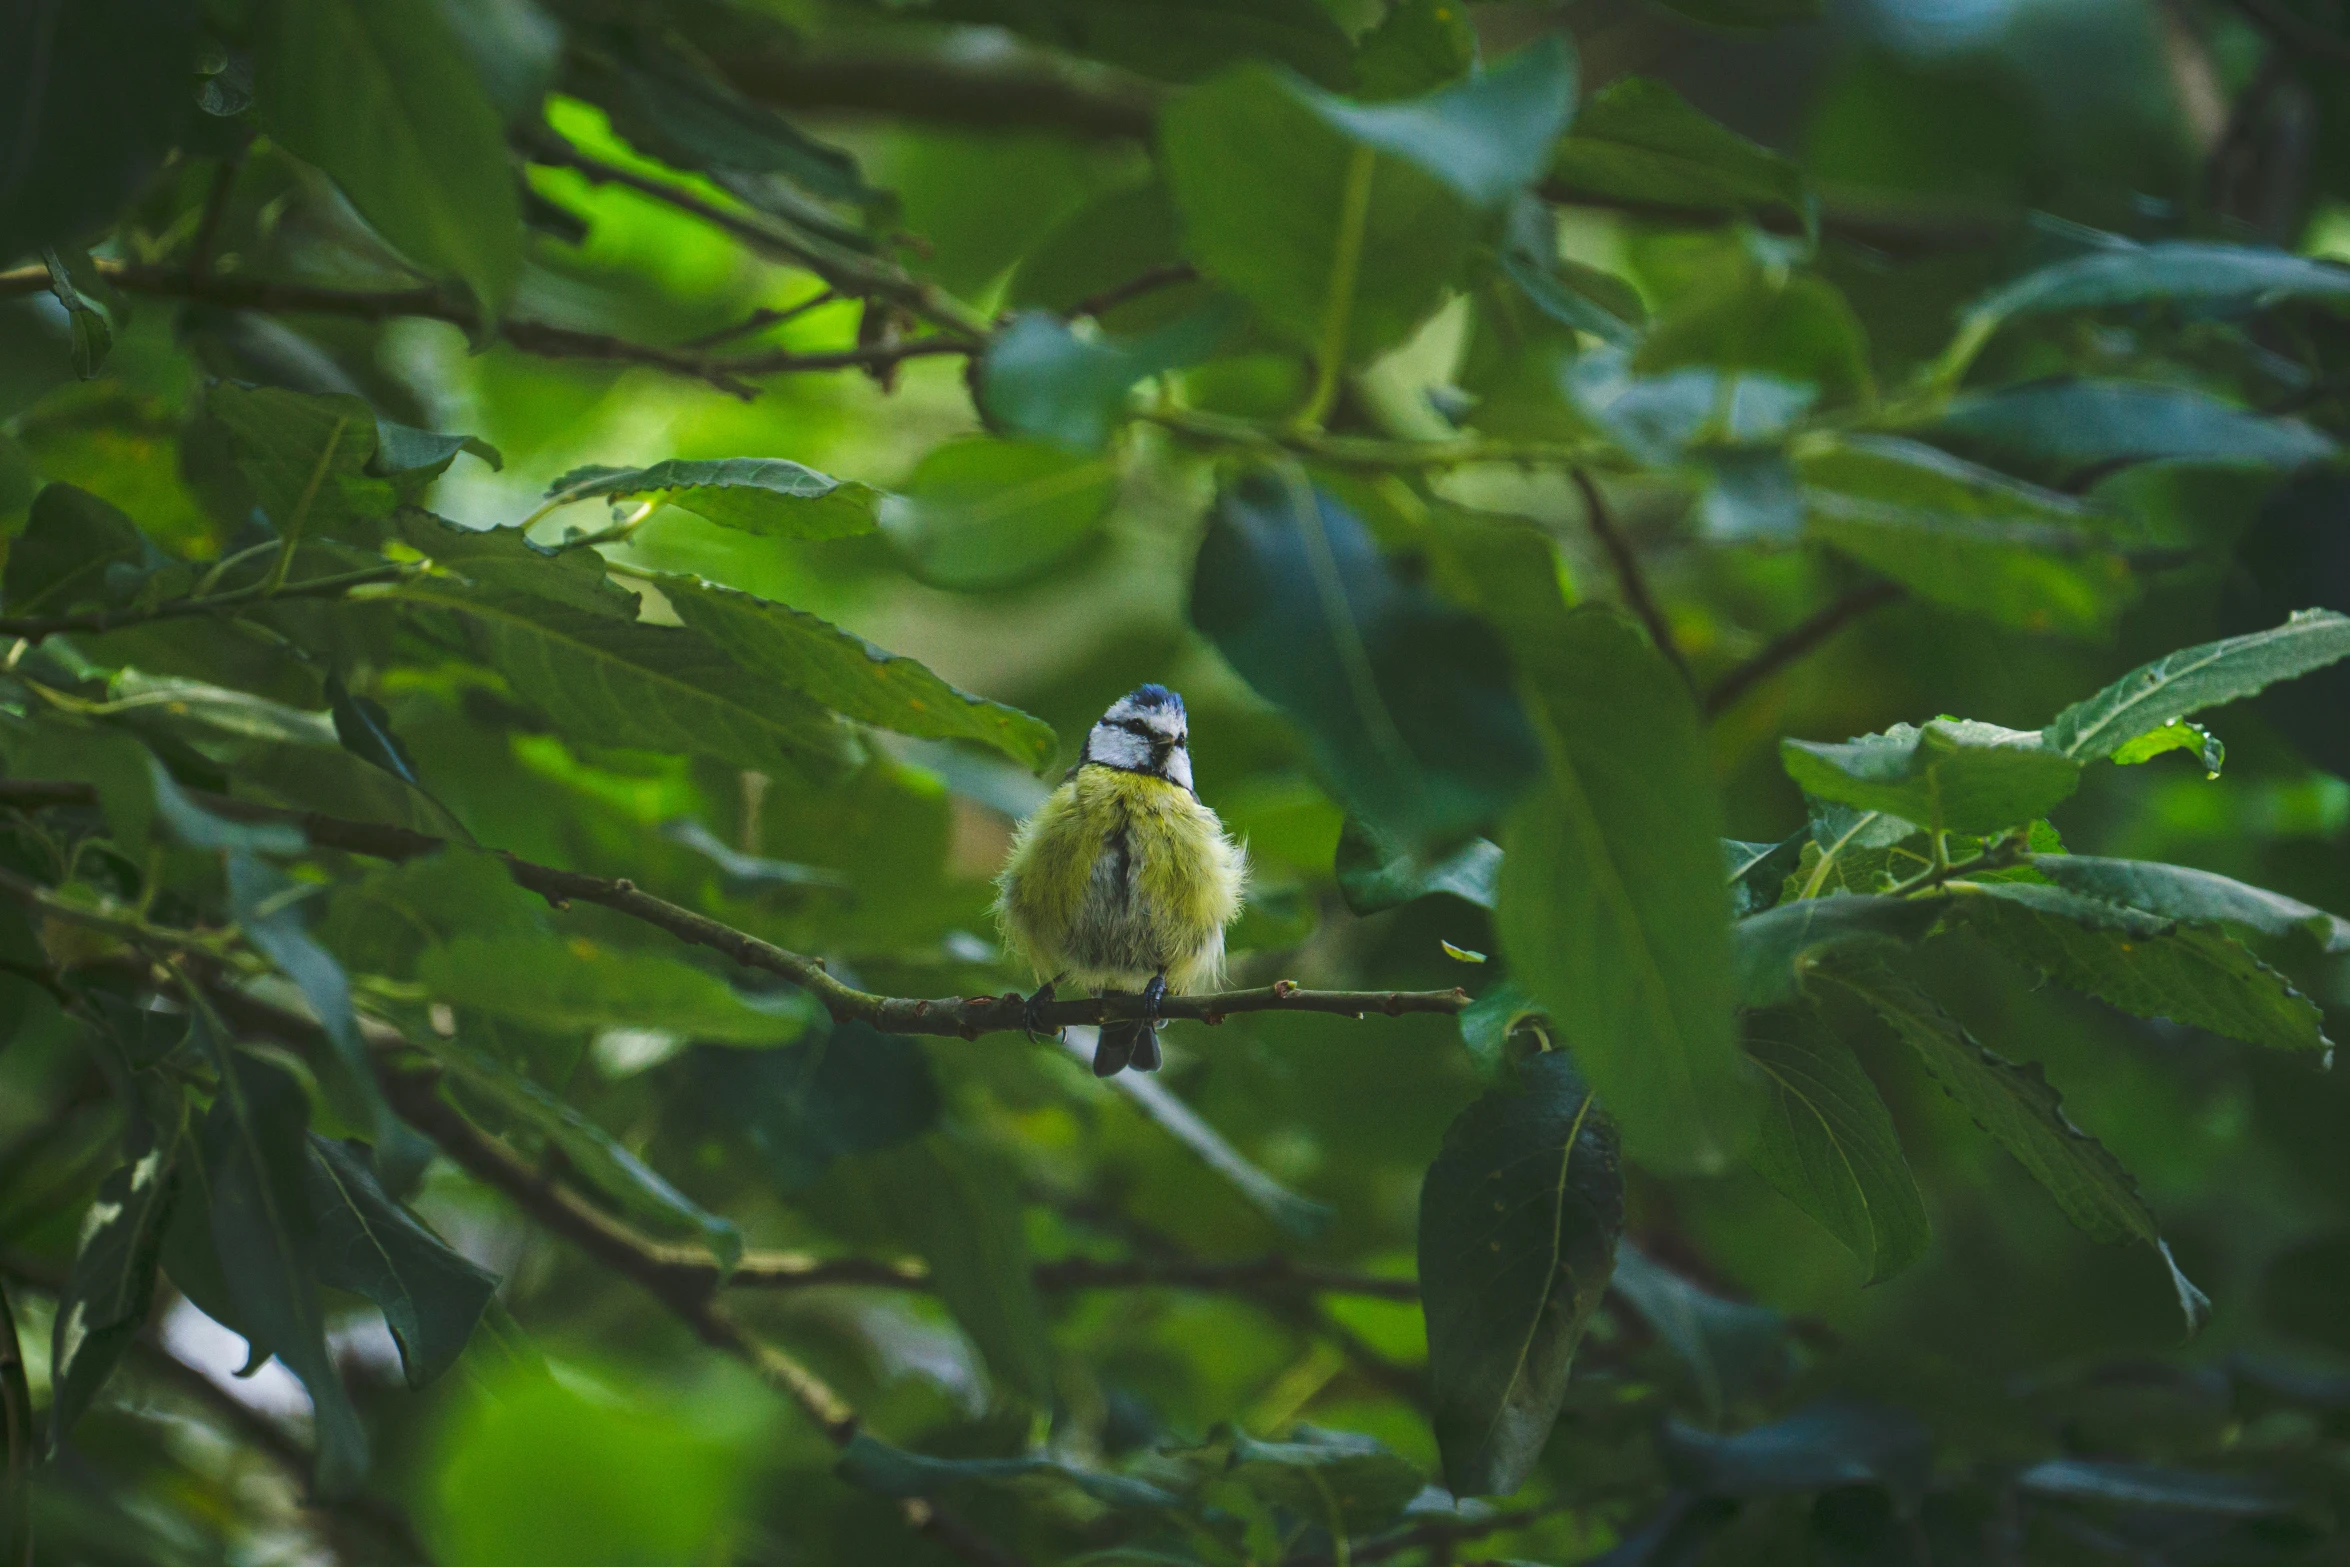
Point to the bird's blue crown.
(1150, 696)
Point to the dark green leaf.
(381, 924)
(691, 118)
(1557, 298)
(763, 495)
(1638, 140)
(75, 550)
(1040, 380)
(1296, 1215)
(2079, 424)
(2025, 1116)
(1489, 1021)
(2194, 678)
(1748, 13)
(775, 645)
(1756, 871)
(378, 95)
(1773, 951)
(2147, 966)
(503, 559)
(199, 828)
(267, 904)
(412, 457)
(1372, 876)
(1955, 775)
(368, 1244)
(56, 745)
(1835, 1442)
(756, 869)
(982, 513)
(573, 985)
(1828, 1146)
(93, 338)
(1405, 702)
(1612, 908)
(1420, 45)
(112, 1288)
(1519, 1219)
(1729, 1347)
(2156, 1488)
(2178, 892)
(871, 1464)
(799, 1108)
(307, 458)
(1347, 1484)
(1182, 42)
(365, 730)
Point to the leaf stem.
(1346, 265)
(1629, 577)
(1998, 854)
(301, 517)
(35, 628)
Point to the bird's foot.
(1152, 994)
(1032, 1012)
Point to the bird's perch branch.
(965, 1017)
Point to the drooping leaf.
(1042, 381)
(199, 828)
(1372, 876)
(1957, 775)
(1638, 140)
(764, 495)
(2179, 892)
(1340, 222)
(1519, 1218)
(111, 1290)
(378, 95)
(1612, 908)
(871, 1464)
(365, 730)
(1405, 701)
(2192, 679)
(1833, 1443)
(1730, 1348)
(982, 513)
(1488, 1022)
(267, 904)
(773, 644)
(412, 458)
(2025, 1116)
(1828, 1145)
(2080, 424)
(1348, 1484)
(1774, 950)
(93, 338)
(2145, 965)
(2177, 735)
(75, 550)
(801, 1107)
(368, 1244)
(692, 118)
(576, 985)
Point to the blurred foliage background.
(852, 237)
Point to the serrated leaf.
(1638, 140)
(1957, 775)
(774, 644)
(2192, 679)
(2179, 892)
(368, 1244)
(112, 1287)
(379, 96)
(1612, 909)
(503, 559)
(1774, 950)
(1519, 1218)
(2024, 1115)
(2177, 735)
(764, 495)
(1828, 1146)
(1373, 876)
(2145, 965)
(577, 986)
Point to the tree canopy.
(1769, 592)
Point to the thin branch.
(1794, 643)
(1168, 276)
(35, 628)
(1629, 577)
(764, 317)
(965, 1017)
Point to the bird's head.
(1143, 732)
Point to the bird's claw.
(1152, 994)
(1032, 1012)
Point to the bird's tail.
(1126, 1044)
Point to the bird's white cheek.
(1179, 767)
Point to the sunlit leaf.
(762, 495)
(2192, 679)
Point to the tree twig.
(35, 628)
(1629, 577)
(965, 1017)
(1168, 276)
(1795, 642)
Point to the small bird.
(1123, 879)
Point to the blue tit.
(1123, 879)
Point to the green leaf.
(2177, 735)
(1828, 1145)
(1295, 1215)
(1488, 1022)
(368, 1244)
(2157, 1488)
(763, 495)
(599, 1157)
(199, 828)
(1757, 871)
(112, 1288)
(1519, 1219)
(625, 683)
(1612, 908)
(1405, 702)
(1638, 140)
(75, 549)
(2084, 424)
(2177, 892)
(954, 1204)
(93, 338)
(256, 1158)
(1955, 774)
(870, 1464)
(1040, 380)
(413, 458)
(365, 730)
(2024, 1115)
(58, 745)
(1775, 950)
(2146, 966)
(1963, 536)
(692, 119)
(2194, 678)
(801, 1107)
(267, 904)
(377, 94)
(503, 559)
(1420, 45)
(1347, 1484)
(1794, 327)
(1285, 190)
(1834, 1443)
(1729, 1347)
(773, 644)
(980, 513)
(559, 986)
(307, 458)
(1102, 247)
(1372, 876)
